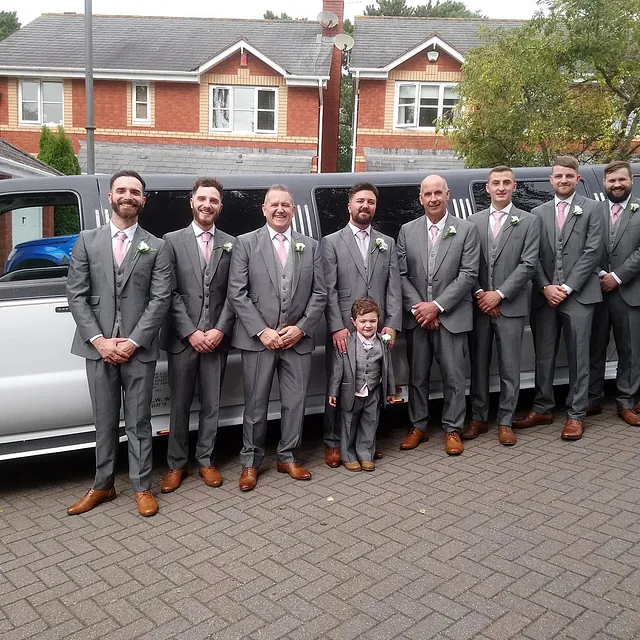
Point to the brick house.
(405, 72)
(189, 95)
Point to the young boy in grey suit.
(359, 379)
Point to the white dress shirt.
(506, 210)
(556, 201)
(287, 238)
(356, 230)
(199, 231)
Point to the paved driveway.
(538, 541)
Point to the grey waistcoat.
(204, 322)
(614, 230)
(368, 365)
(285, 278)
(118, 274)
(558, 273)
(433, 253)
(493, 249)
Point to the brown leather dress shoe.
(367, 465)
(630, 417)
(91, 499)
(474, 429)
(147, 505)
(594, 410)
(248, 479)
(378, 455)
(636, 409)
(352, 466)
(572, 430)
(413, 439)
(506, 435)
(453, 444)
(172, 480)
(294, 470)
(332, 457)
(211, 476)
(532, 419)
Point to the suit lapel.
(624, 222)
(571, 218)
(105, 254)
(193, 250)
(266, 248)
(350, 240)
(549, 221)
(507, 230)
(422, 235)
(216, 254)
(484, 234)
(133, 255)
(445, 242)
(351, 354)
(374, 252)
(297, 257)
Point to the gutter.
(320, 126)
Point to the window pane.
(52, 113)
(30, 111)
(429, 91)
(142, 111)
(243, 97)
(242, 120)
(406, 115)
(407, 92)
(52, 91)
(142, 92)
(30, 91)
(266, 120)
(428, 117)
(266, 99)
(220, 98)
(450, 96)
(220, 119)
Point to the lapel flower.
(451, 231)
(380, 245)
(143, 247)
(298, 247)
(633, 207)
(386, 338)
(227, 246)
(577, 210)
(515, 220)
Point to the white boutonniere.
(380, 245)
(515, 220)
(577, 210)
(298, 247)
(227, 246)
(386, 338)
(451, 231)
(633, 207)
(143, 247)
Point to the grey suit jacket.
(582, 250)
(456, 271)
(253, 289)
(624, 259)
(187, 295)
(145, 297)
(347, 279)
(515, 260)
(343, 374)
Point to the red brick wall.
(4, 103)
(371, 104)
(176, 107)
(419, 62)
(47, 222)
(303, 104)
(109, 105)
(231, 65)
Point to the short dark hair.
(618, 164)
(279, 187)
(500, 169)
(363, 186)
(568, 162)
(127, 173)
(208, 182)
(364, 305)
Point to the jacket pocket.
(254, 297)
(94, 300)
(344, 293)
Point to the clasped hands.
(488, 302)
(114, 350)
(426, 313)
(206, 341)
(555, 294)
(286, 338)
(608, 283)
(333, 400)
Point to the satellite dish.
(328, 19)
(343, 41)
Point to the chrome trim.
(308, 218)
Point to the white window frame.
(416, 102)
(230, 129)
(135, 102)
(39, 122)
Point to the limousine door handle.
(63, 309)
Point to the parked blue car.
(45, 252)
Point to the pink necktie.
(362, 244)
(120, 250)
(495, 223)
(562, 207)
(282, 252)
(616, 210)
(205, 247)
(434, 233)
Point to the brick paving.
(538, 541)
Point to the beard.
(124, 213)
(363, 217)
(619, 196)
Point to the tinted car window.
(170, 210)
(528, 194)
(396, 205)
(635, 189)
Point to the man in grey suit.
(197, 334)
(358, 262)
(438, 255)
(620, 309)
(565, 291)
(277, 290)
(119, 290)
(510, 240)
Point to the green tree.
(270, 15)
(446, 9)
(8, 23)
(57, 151)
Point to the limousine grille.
(462, 207)
(302, 221)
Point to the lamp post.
(88, 83)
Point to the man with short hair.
(359, 262)
(277, 290)
(119, 291)
(565, 291)
(197, 335)
(619, 268)
(438, 255)
(510, 240)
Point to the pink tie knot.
(562, 207)
(206, 245)
(282, 253)
(616, 209)
(434, 232)
(119, 250)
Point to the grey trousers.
(448, 349)
(358, 428)
(107, 382)
(184, 368)
(614, 313)
(332, 420)
(258, 369)
(573, 319)
(508, 336)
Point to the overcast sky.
(30, 9)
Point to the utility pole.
(88, 84)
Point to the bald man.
(439, 257)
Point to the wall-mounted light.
(244, 61)
(433, 55)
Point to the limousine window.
(37, 234)
(528, 194)
(170, 210)
(397, 204)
